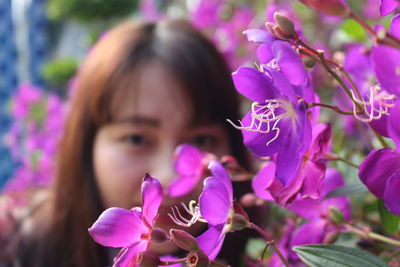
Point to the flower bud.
(158, 235)
(336, 215)
(280, 34)
(309, 62)
(148, 259)
(269, 27)
(284, 23)
(330, 7)
(184, 240)
(239, 210)
(197, 259)
(239, 222)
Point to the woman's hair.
(75, 200)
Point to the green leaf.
(353, 29)
(347, 190)
(255, 247)
(333, 256)
(390, 221)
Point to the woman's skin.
(146, 129)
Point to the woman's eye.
(137, 140)
(203, 141)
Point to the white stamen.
(374, 106)
(192, 209)
(265, 115)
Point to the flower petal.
(258, 36)
(321, 137)
(117, 227)
(386, 64)
(376, 169)
(392, 193)
(129, 256)
(215, 202)
(264, 54)
(254, 84)
(182, 185)
(263, 180)
(257, 142)
(388, 6)
(314, 173)
(333, 180)
(151, 198)
(210, 242)
(188, 160)
(218, 171)
(395, 26)
(312, 232)
(290, 63)
(393, 126)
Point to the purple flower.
(308, 179)
(277, 123)
(374, 100)
(319, 228)
(189, 164)
(26, 96)
(388, 6)
(216, 207)
(224, 22)
(130, 229)
(281, 56)
(386, 62)
(380, 169)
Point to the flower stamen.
(192, 209)
(374, 106)
(264, 118)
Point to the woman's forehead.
(152, 91)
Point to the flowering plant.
(300, 136)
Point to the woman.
(143, 89)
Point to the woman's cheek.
(118, 175)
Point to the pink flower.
(189, 164)
(130, 229)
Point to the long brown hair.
(75, 202)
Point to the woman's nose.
(163, 168)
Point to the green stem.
(330, 156)
(324, 63)
(372, 235)
(389, 39)
(270, 241)
(379, 137)
(335, 108)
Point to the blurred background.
(42, 43)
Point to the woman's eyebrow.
(139, 120)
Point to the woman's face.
(147, 126)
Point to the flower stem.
(379, 137)
(330, 156)
(388, 39)
(324, 63)
(270, 242)
(170, 262)
(320, 56)
(372, 235)
(335, 108)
